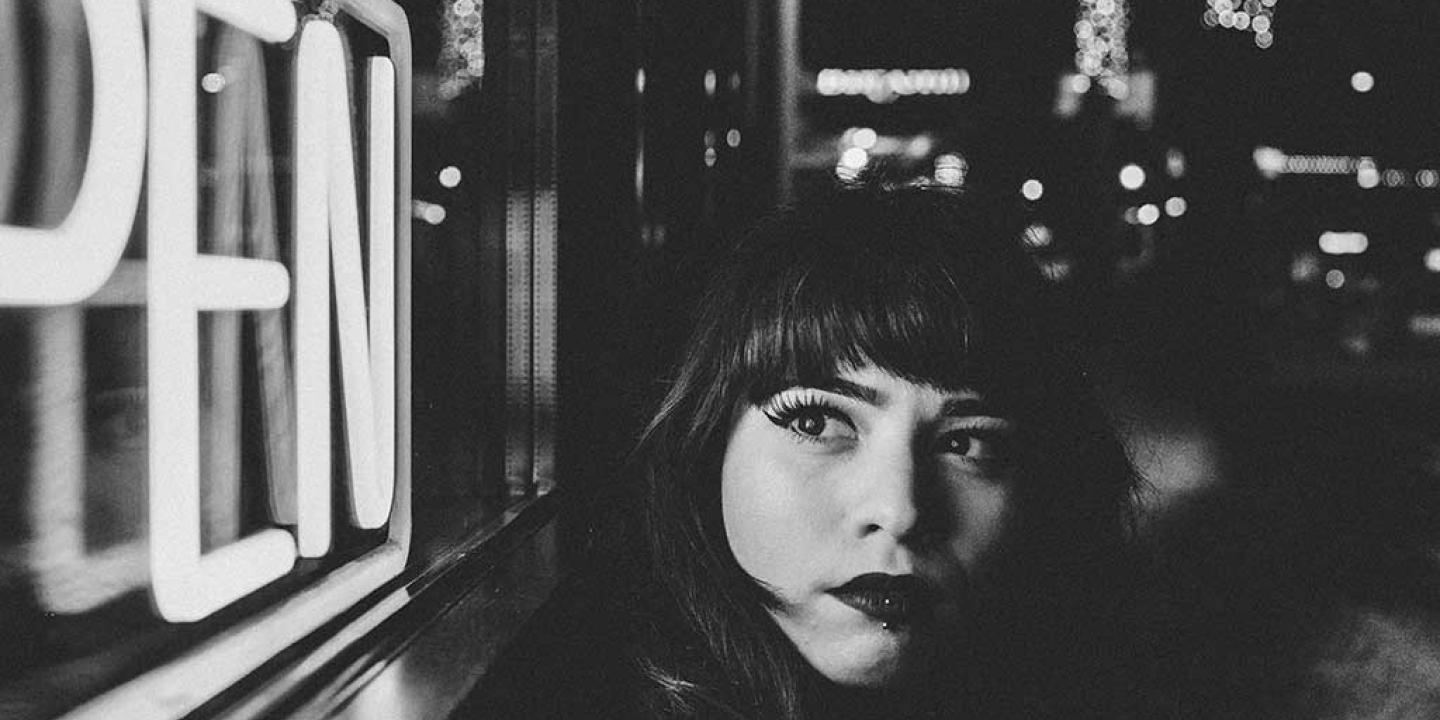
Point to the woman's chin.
(870, 677)
(873, 660)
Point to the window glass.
(206, 323)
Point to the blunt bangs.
(898, 280)
(816, 318)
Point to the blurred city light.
(950, 170)
(1257, 16)
(1100, 41)
(864, 138)
(1362, 82)
(1334, 279)
(1432, 260)
(886, 86)
(1132, 177)
(1343, 243)
(429, 212)
(1175, 163)
(1037, 236)
(1425, 325)
(854, 158)
(1367, 175)
(1305, 267)
(710, 83)
(732, 137)
(462, 52)
(920, 146)
(1272, 163)
(1176, 206)
(1269, 161)
(212, 82)
(1032, 189)
(450, 176)
(1056, 270)
(1148, 214)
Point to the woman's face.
(863, 503)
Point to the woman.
(876, 486)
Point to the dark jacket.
(593, 651)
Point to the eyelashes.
(810, 416)
(984, 445)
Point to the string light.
(462, 54)
(1256, 16)
(887, 86)
(1100, 47)
(1273, 162)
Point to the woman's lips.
(891, 599)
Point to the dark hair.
(920, 282)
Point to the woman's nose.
(887, 485)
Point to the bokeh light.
(1132, 177)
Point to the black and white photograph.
(719, 359)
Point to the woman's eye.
(810, 421)
(975, 445)
(956, 443)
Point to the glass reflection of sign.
(151, 130)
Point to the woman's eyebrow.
(847, 388)
(967, 406)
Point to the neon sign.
(79, 261)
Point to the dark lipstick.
(891, 599)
